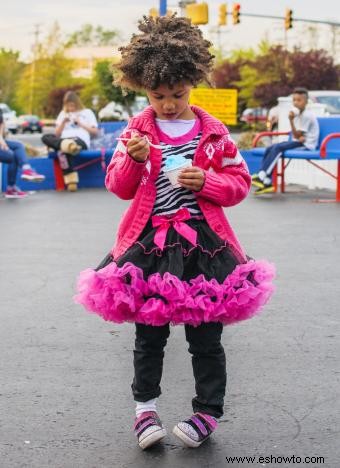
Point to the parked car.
(10, 118)
(331, 99)
(113, 111)
(253, 115)
(141, 102)
(29, 123)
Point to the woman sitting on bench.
(75, 126)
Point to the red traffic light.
(236, 13)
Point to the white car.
(331, 100)
(116, 111)
(10, 118)
(113, 111)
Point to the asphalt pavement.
(65, 375)
(32, 139)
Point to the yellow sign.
(221, 103)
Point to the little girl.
(176, 259)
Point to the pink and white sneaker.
(15, 193)
(32, 175)
(195, 430)
(148, 429)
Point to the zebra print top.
(168, 198)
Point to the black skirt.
(181, 283)
(212, 256)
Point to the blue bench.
(328, 149)
(91, 156)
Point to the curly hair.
(168, 51)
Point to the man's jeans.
(272, 155)
(15, 157)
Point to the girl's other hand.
(138, 147)
(192, 178)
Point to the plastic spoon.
(151, 144)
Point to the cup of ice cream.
(173, 166)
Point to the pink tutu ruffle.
(120, 294)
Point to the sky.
(18, 18)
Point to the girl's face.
(70, 107)
(171, 104)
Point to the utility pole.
(162, 7)
(32, 80)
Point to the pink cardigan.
(227, 179)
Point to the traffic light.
(236, 13)
(222, 14)
(198, 13)
(288, 19)
(154, 12)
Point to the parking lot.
(65, 374)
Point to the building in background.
(85, 58)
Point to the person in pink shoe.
(14, 154)
(176, 259)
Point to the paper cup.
(173, 174)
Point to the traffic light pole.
(162, 7)
(256, 15)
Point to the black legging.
(54, 142)
(208, 363)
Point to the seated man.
(13, 153)
(304, 134)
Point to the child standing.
(176, 259)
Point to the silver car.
(10, 118)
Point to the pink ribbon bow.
(177, 221)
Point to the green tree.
(271, 71)
(49, 70)
(10, 70)
(104, 72)
(94, 36)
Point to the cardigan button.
(219, 227)
(208, 205)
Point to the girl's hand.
(79, 123)
(192, 178)
(138, 148)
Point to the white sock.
(142, 406)
(262, 175)
(26, 166)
